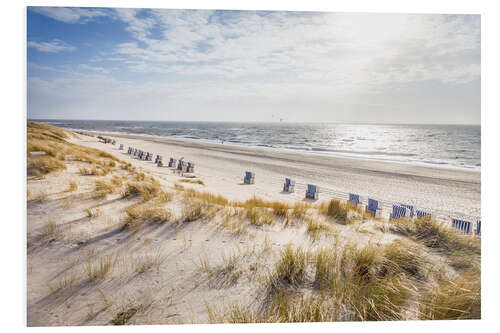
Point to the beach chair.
(373, 208)
(121, 146)
(410, 209)
(172, 162)
(423, 214)
(249, 177)
(190, 167)
(129, 150)
(398, 211)
(113, 142)
(463, 226)
(180, 164)
(148, 156)
(312, 192)
(478, 227)
(157, 158)
(353, 199)
(289, 185)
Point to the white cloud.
(53, 46)
(184, 64)
(317, 47)
(70, 14)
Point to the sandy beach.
(445, 192)
(113, 240)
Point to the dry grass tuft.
(49, 228)
(146, 189)
(138, 215)
(73, 186)
(192, 211)
(101, 268)
(436, 236)
(102, 188)
(192, 181)
(38, 196)
(43, 165)
(336, 210)
(289, 270)
(92, 212)
(459, 298)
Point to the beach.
(114, 240)
(446, 192)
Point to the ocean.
(456, 146)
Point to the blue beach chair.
(373, 207)
(190, 167)
(478, 227)
(289, 185)
(463, 226)
(172, 162)
(179, 165)
(398, 211)
(354, 199)
(249, 177)
(411, 212)
(312, 192)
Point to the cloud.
(242, 65)
(326, 47)
(53, 46)
(70, 14)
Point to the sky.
(210, 65)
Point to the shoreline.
(301, 152)
(446, 192)
(370, 156)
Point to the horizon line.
(249, 121)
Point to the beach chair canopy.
(410, 209)
(372, 204)
(398, 211)
(311, 188)
(354, 198)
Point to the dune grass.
(459, 298)
(104, 187)
(138, 215)
(146, 189)
(72, 186)
(192, 181)
(100, 268)
(43, 165)
(436, 236)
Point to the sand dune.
(116, 243)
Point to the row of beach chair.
(181, 165)
(107, 140)
(373, 206)
(466, 227)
